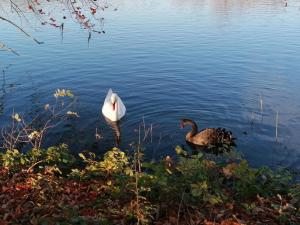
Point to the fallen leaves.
(38, 197)
(228, 170)
(50, 198)
(20, 187)
(224, 222)
(106, 190)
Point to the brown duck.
(207, 137)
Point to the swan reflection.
(115, 126)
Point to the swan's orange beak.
(114, 106)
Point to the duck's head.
(114, 99)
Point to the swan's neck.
(194, 130)
(116, 108)
(115, 112)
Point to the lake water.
(208, 60)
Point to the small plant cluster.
(51, 186)
(31, 131)
(52, 158)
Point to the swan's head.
(114, 99)
(184, 122)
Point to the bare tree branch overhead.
(19, 28)
(86, 13)
(3, 47)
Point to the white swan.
(113, 107)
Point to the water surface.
(205, 60)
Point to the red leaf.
(93, 10)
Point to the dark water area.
(211, 61)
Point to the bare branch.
(5, 48)
(15, 25)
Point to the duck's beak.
(114, 106)
(181, 125)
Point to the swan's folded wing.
(106, 108)
(121, 108)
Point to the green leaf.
(82, 156)
(69, 93)
(22, 161)
(16, 152)
(128, 171)
(169, 171)
(214, 200)
(199, 155)
(180, 151)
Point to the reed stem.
(277, 118)
(261, 103)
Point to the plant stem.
(178, 213)
(30, 168)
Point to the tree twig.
(5, 48)
(30, 168)
(15, 25)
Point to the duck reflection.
(115, 126)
